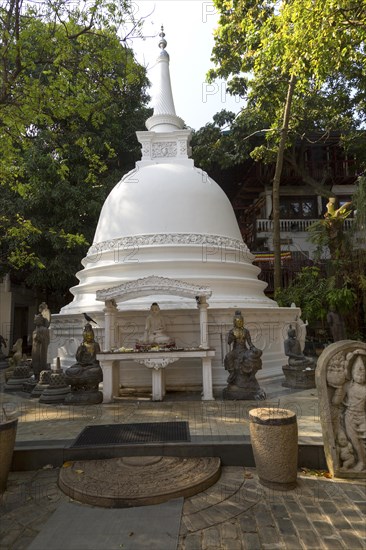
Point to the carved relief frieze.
(168, 239)
(146, 149)
(183, 147)
(157, 363)
(164, 149)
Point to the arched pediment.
(152, 285)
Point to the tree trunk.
(276, 185)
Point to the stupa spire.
(164, 118)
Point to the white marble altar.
(157, 362)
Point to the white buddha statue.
(155, 327)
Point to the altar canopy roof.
(148, 286)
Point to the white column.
(110, 370)
(202, 306)
(157, 382)
(207, 379)
(110, 311)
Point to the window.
(298, 208)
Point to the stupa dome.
(167, 218)
(166, 198)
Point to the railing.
(289, 271)
(295, 225)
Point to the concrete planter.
(8, 430)
(273, 434)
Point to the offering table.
(157, 361)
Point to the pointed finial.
(163, 42)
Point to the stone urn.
(8, 430)
(273, 435)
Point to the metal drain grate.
(122, 434)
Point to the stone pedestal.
(84, 388)
(56, 391)
(19, 377)
(44, 382)
(29, 386)
(298, 377)
(273, 434)
(250, 392)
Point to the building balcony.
(292, 225)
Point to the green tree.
(294, 52)
(72, 98)
(338, 279)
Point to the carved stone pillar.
(203, 306)
(110, 312)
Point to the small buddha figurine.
(155, 327)
(294, 353)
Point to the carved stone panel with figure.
(341, 384)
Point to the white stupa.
(168, 218)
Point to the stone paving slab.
(237, 513)
(76, 527)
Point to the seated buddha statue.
(155, 327)
(294, 353)
(86, 373)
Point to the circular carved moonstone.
(137, 481)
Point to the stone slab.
(74, 526)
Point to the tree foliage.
(285, 56)
(71, 98)
(338, 280)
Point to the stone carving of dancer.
(352, 395)
(355, 415)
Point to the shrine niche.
(156, 350)
(341, 383)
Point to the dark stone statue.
(300, 371)
(86, 374)
(294, 353)
(40, 343)
(242, 363)
(2, 343)
(336, 325)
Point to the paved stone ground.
(219, 418)
(237, 513)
